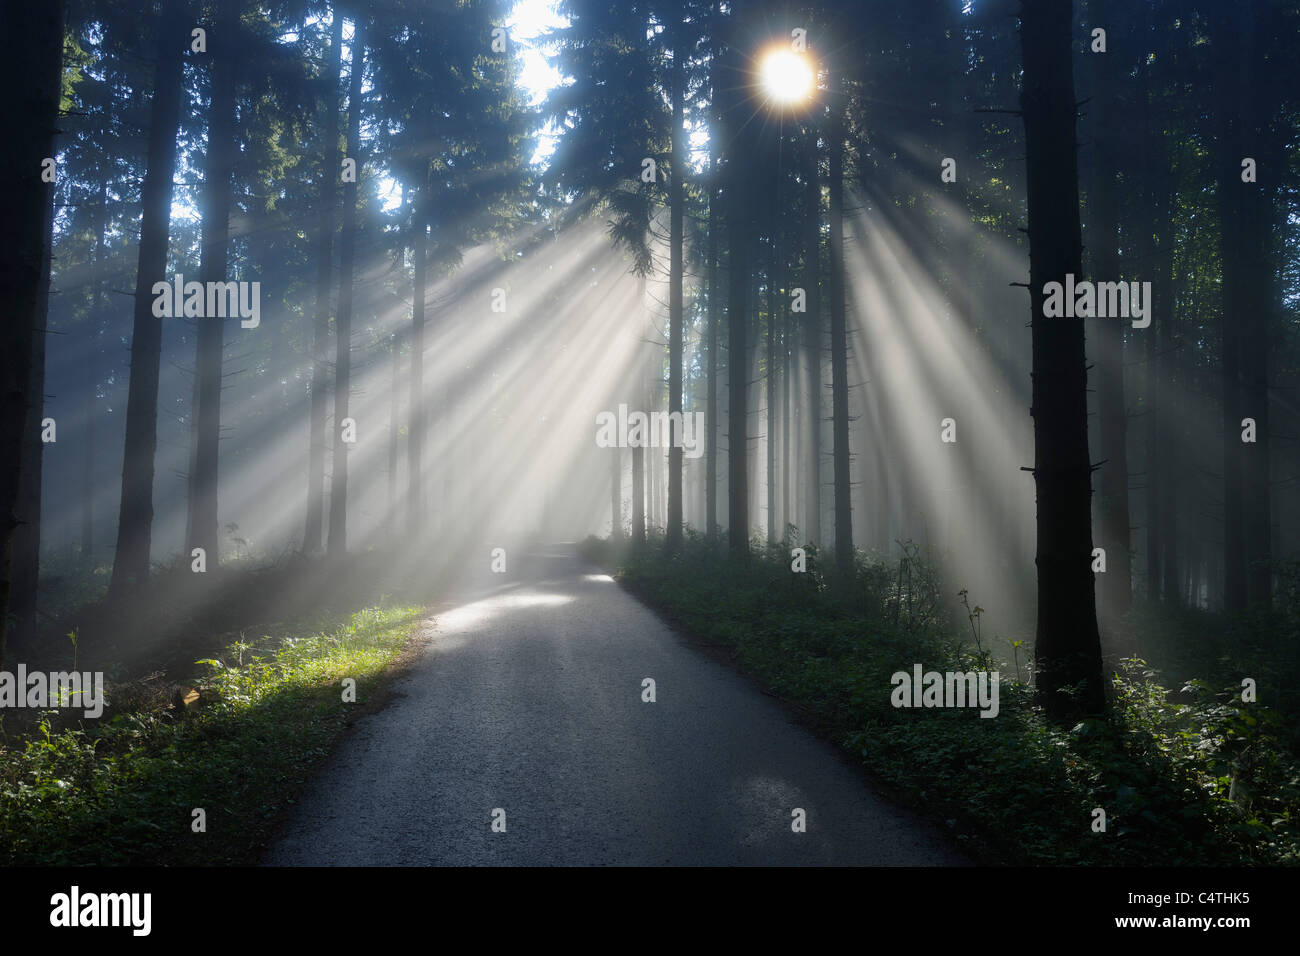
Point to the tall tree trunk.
(711, 254)
(135, 514)
(419, 295)
(338, 534)
(313, 536)
(1155, 175)
(813, 342)
(675, 307)
(839, 341)
(27, 538)
(786, 403)
(737, 179)
(90, 404)
(1235, 232)
(770, 376)
(390, 518)
(1068, 647)
(638, 451)
(1161, 446)
(711, 402)
(638, 495)
(1254, 310)
(615, 495)
(217, 187)
(1116, 583)
(32, 62)
(1171, 448)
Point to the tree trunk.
(313, 537)
(27, 538)
(786, 401)
(1161, 448)
(711, 402)
(615, 495)
(1068, 647)
(390, 520)
(33, 56)
(675, 309)
(638, 451)
(1252, 310)
(419, 294)
(770, 376)
(338, 533)
(737, 179)
(135, 514)
(1232, 235)
(638, 495)
(1116, 583)
(88, 407)
(839, 342)
(711, 266)
(813, 343)
(217, 187)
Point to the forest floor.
(223, 696)
(523, 736)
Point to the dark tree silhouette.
(135, 514)
(839, 335)
(338, 531)
(32, 58)
(1068, 647)
(313, 535)
(223, 44)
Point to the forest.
(372, 364)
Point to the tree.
(27, 537)
(338, 533)
(839, 338)
(135, 514)
(713, 293)
(812, 339)
(1116, 584)
(419, 301)
(1248, 161)
(223, 42)
(737, 196)
(313, 534)
(33, 57)
(1068, 646)
(675, 201)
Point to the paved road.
(529, 699)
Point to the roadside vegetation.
(1185, 770)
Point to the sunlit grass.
(123, 791)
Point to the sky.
(527, 26)
(528, 23)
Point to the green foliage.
(1196, 777)
(121, 791)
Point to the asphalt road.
(529, 700)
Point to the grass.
(122, 791)
(1187, 773)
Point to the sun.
(786, 76)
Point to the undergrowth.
(123, 790)
(1187, 773)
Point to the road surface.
(528, 700)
